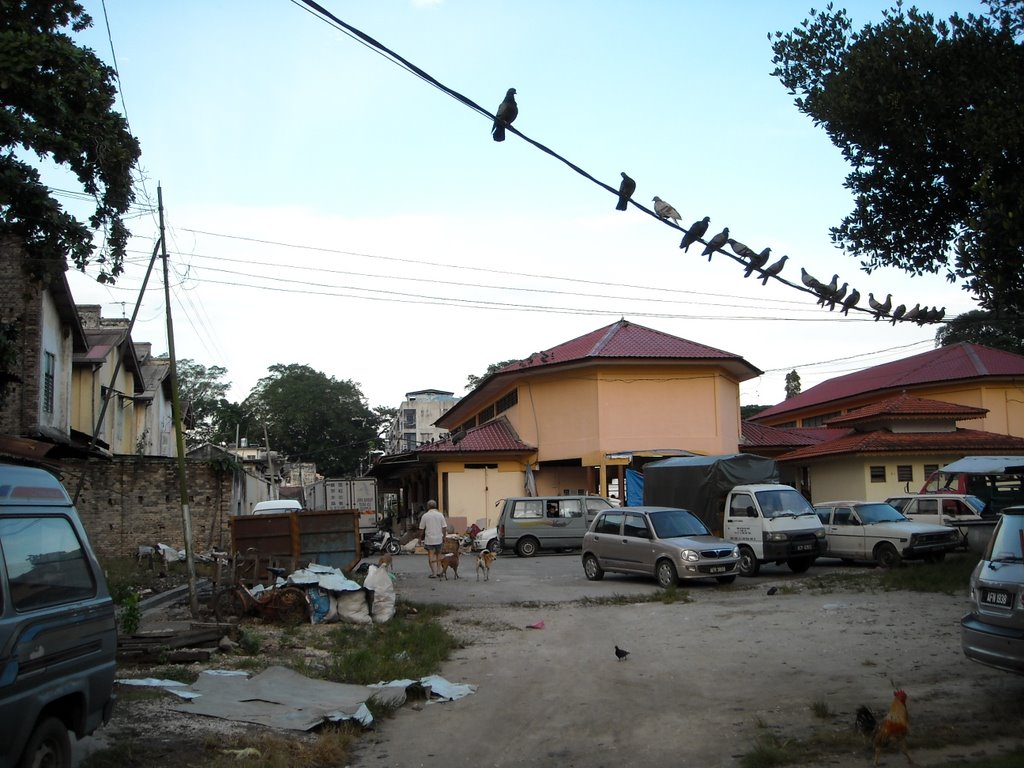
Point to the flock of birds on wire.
(829, 294)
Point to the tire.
(393, 547)
(887, 556)
(291, 605)
(494, 546)
(527, 546)
(592, 568)
(748, 565)
(800, 564)
(666, 574)
(49, 746)
(726, 579)
(228, 606)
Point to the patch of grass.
(666, 596)
(179, 672)
(250, 641)
(264, 749)
(950, 577)
(1010, 760)
(769, 751)
(822, 710)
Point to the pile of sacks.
(334, 597)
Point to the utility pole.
(186, 514)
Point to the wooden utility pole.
(186, 515)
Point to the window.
(740, 504)
(49, 373)
(506, 402)
(636, 527)
(486, 414)
(410, 441)
(609, 523)
(409, 418)
(527, 509)
(905, 473)
(570, 508)
(45, 562)
(877, 474)
(930, 469)
(817, 421)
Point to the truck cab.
(773, 523)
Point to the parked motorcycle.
(382, 541)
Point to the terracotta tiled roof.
(624, 339)
(762, 436)
(955, 362)
(961, 441)
(494, 436)
(906, 408)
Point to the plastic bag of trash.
(349, 607)
(379, 580)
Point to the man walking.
(434, 526)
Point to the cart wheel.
(291, 605)
(228, 605)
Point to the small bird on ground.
(695, 233)
(899, 312)
(881, 307)
(507, 112)
(773, 270)
(665, 210)
(757, 261)
(772, 590)
(715, 243)
(626, 190)
(620, 653)
(851, 301)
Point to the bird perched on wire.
(826, 291)
(893, 728)
(716, 243)
(665, 210)
(620, 653)
(757, 261)
(911, 314)
(773, 270)
(851, 301)
(695, 233)
(507, 112)
(741, 250)
(626, 190)
(811, 281)
(837, 296)
(881, 307)
(898, 313)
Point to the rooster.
(892, 729)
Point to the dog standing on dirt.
(483, 563)
(450, 560)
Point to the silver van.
(528, 524)
(58, 637)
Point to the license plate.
(804, 547)
(716, 569)
(996, 597)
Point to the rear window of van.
(45, 562)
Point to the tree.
(203, 390)
(58, 104)
(472, 382)
(310, 416)
(748, 411)
(930, 115)
(981, 327)
(792, 384)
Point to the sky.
(328, 208)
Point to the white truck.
(347, 493)
(739, 498)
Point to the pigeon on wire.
(507, 112)
(851, 301)
(827, 290)
(836, 296)
(898, 313)
(695, 233)
(741, 250)
(757, 261)
(911, 314)
(716, 243)
(773, 270)
(626, 190)
(810, 280)
(881, 308)
(621, 654)
(665, 210)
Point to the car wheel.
(393, 547)
(726, 579)
(887, 556)
(748, 564)
(526, 547)
(665, 572)
(592, 568)
(228, 606)
(49, 746)
(799, 564)
(494, 546)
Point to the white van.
(528, 524)
(276, 507)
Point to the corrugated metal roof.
(494, 436)
(908, 407)
(760, 435)
(961, 441)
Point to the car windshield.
(670, 523)
(783, 502)
(880, 513)
(1008, 540)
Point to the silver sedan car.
(666, 543)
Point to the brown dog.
(483, 563)
(450, 560)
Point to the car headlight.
(689, 555)
(776, 536)
(820, 533)
(736, 552)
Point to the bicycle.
(286, 604)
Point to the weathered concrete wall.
(135, 500)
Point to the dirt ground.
(704, 681)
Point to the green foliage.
(747, 411)
(130, 616)
(792, 384)
(8, 356)
(203, 390)
(986, 328)
(473, 381)
(310, 416)
(930, 116)
(250, 641)
(57, 103)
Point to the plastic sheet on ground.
(437, 687)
